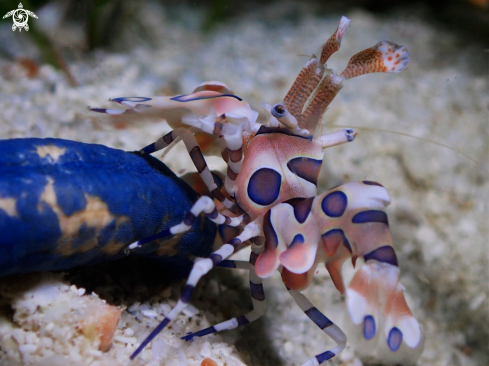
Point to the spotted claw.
(378, 309)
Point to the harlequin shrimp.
(271, 191)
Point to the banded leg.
(203, 204)
(196, 156)
(326, 325)
(257, 297)
(164, 141)
(233, 159)
(201, 267)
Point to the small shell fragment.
(100, 321)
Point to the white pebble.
(289, 348)
(122, 339)
(80, 292)
(95, 353)
(160, 348)
(477, 301)
(165, 308)
(190, 310)
(134, 307)
(149, 313)
(182, 360)
(46, 342)
(144, 307)
(205, 350)
(27, 348)
(129, 332)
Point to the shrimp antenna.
(414, 137)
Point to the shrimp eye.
(278, 110)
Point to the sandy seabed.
(439, 216)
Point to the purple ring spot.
(369, 327)
(298, 239)
(384, 254)
(371, 183)
(131, 99)
(336, 235)
(271, 238)
(334, 204)
(264, 186)
(187, 97)
(370, 216)
(305, 168)
(302, 207)
(394, 339)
